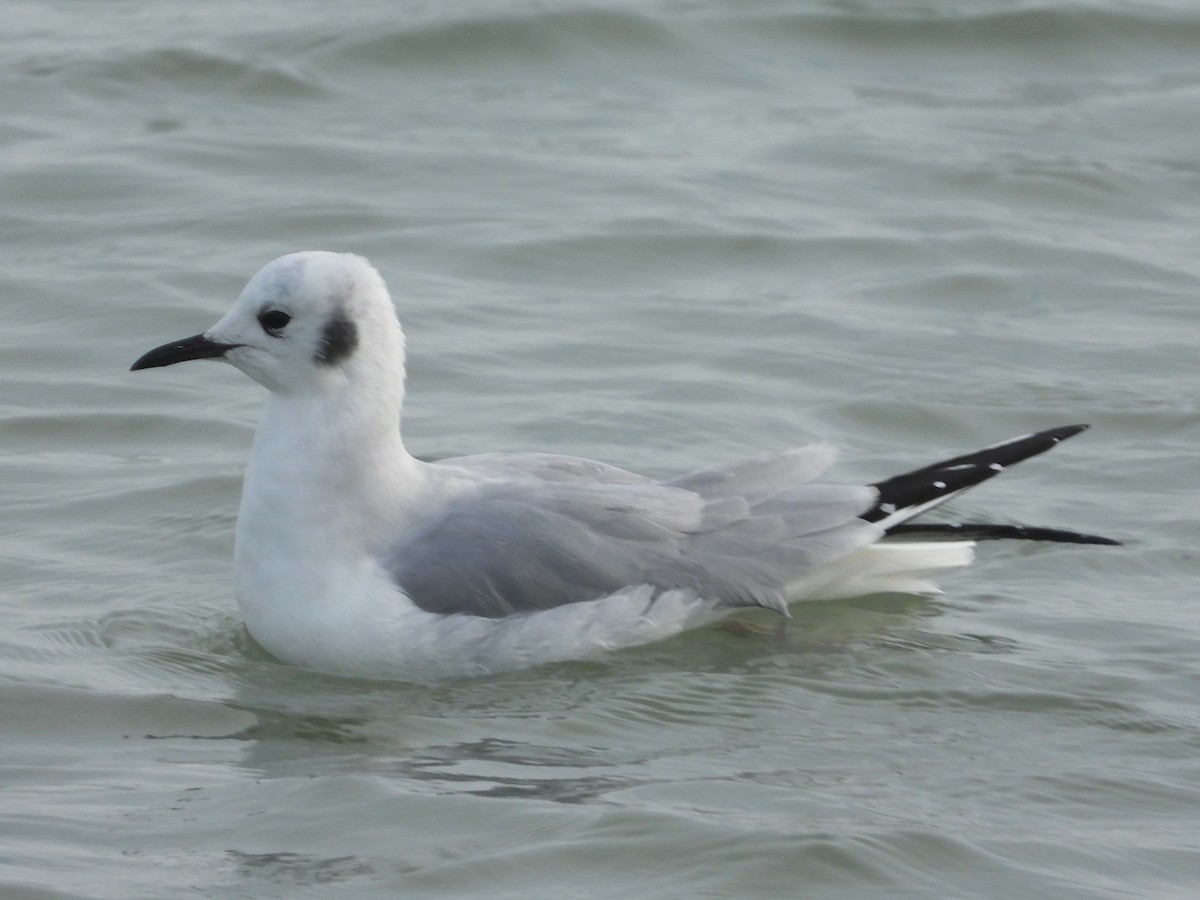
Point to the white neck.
(328, 474)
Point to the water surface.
(662, 235)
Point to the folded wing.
(736, 535)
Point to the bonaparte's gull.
(353, 557)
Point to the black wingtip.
(1029, 443)
(912, 493)
(941, 531)
(1065, 431)
(907, 495)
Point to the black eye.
(273, 321)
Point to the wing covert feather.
(737, 535)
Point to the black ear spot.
(338, 340)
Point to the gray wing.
(548, 467)
(737, 535)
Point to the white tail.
(900, 567)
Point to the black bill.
(195, 347)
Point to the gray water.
(661, 234)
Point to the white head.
(304, 325)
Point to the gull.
(353, 557)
